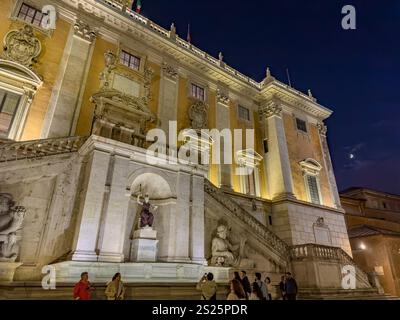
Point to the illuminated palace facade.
(76, 103)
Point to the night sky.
(353, 72)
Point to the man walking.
(262, 286)
(291, 287)
(245, 283)
(82, 290)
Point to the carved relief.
(148, 77)
(198, 115)
(222, 98)
(271, 109)
(84, 31)
(322, 129)
(11, 218)
(170, 71)
(22, 46)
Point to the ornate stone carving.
(148, 77)
(222, 98)
(170, 71)
(22, 46)
(198, 115)
(271, 109)
(11, 218)
(110, 60)
(320, 223)
(83, 30)
(223, 252)
(322, 129)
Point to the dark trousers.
(290, 296)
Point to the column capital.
(84, 31)
(271, 109)
(170, 71)
(222, 97)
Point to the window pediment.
(310, 166)
(19, 73)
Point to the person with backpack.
(262, 286)
(208, 287)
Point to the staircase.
(271, 242)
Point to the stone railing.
(320, 252)
(179, 41)
(273, 241)
(12, 151)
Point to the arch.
(16, 71)
(152, 181)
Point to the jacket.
(208, 289)
(111, 291)
(291, 286)
(82, 291)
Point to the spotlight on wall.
(363, 246)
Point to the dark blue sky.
(355, 73)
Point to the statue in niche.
(146, 217)
(11, 219)
(225, 254)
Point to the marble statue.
(11, 219)
(223, 252)
(146, 217)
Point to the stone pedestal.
(7, 270)
(144, 245)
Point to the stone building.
(78, 102)
(373, 221)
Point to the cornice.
(111, 19)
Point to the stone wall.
(46, 188)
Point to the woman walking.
(115, 288)
(237, 292)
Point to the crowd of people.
(240, 287)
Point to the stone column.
(197, 229)
(65, 101)
(328, 165)
(277, 159)
(168, 106)
(179, 237)
(85, 242)
(223, 121)
(112, 245)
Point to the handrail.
(280, 246)
(12, 151)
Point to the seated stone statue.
(146, 217)
(223, 250)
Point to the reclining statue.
(11, 219)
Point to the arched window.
(18, 85)
(311, 170)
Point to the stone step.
(63, 291)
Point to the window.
(270, 220)
(9, 102)
(313, 189)
(384, 205)
(130, 60)
(197, 92)
(244, 113)
(301, 125)
(265, 143)
(30, 15)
